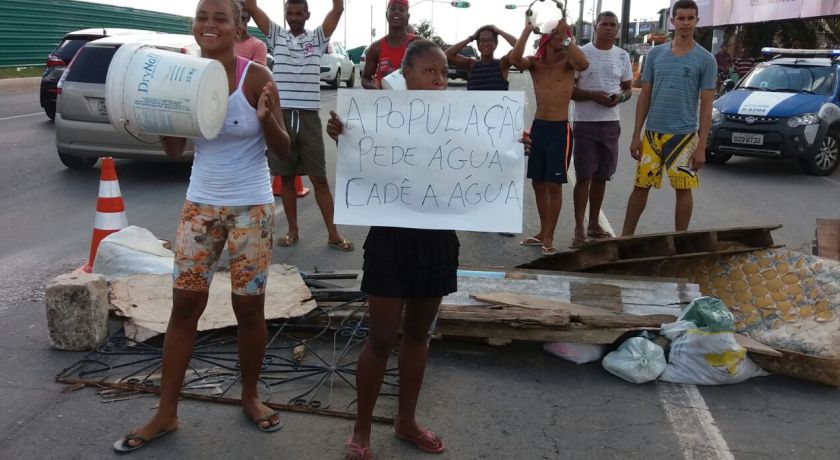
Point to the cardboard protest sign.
(431, 159)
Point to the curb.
(8, 85)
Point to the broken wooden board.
(511, 316)
(630, 294)
(828, 238)
(449, 325)
(598, 255)
(146, 300)
(591, 317)
(804, 366)
(754, 346)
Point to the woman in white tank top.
(229, 200)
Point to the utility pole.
(625, 22)
(580, 23)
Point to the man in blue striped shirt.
(297, 72)
(675, 76)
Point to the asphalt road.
(488, 402)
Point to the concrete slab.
(10, 85)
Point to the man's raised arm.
(259, 16)
(332, 18)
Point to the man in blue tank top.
(675, 76)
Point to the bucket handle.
(125, 128)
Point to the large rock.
(77, 311)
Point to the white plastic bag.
(637, 360)
(578, 353)
(131, 251)
(706, 358)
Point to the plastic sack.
(637, 360)
(131, 251)
(709, 314)
(706, 358)
(578, 353)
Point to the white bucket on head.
(157, 92)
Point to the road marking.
(696, 431)
(831, 181)
(685, 407)
(22, 116)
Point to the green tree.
(425, 30)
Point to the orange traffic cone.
(277, 187)
(110, 210)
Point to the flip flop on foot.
(287, 240)
(358, 452)
(341, 245)
(122, 445)
(425, 441)
(272, 427)
(598, 234)
(531, 241)
(547, 251)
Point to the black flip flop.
(122, 446)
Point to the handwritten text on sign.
(431, 159)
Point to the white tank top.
(232, 169)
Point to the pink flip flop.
(426, 441)
(362, 453)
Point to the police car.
(786, 107)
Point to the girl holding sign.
(404, 269)
(229, 201)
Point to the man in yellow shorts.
(675, 76)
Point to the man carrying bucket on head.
(297, 69)
(552, 71)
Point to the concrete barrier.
(8, 85)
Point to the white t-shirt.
(607, 69)
(297, 66)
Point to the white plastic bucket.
(394, 81)
(158, 92)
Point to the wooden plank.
(660, 246)
(755, 346)
(693, 243)
(590, 316)
(512, 316)
(595, 336)
(755, 237)
(828, 238)
(646, 261)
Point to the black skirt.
(410, 263)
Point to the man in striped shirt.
(297, 72)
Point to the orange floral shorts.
(202, 233)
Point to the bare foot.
(157, 424)
(256, 410)
(596, 231)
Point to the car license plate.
(101, 107)
(748, 139)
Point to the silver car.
(83, 132)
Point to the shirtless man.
(552, 71)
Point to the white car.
(336, 66)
